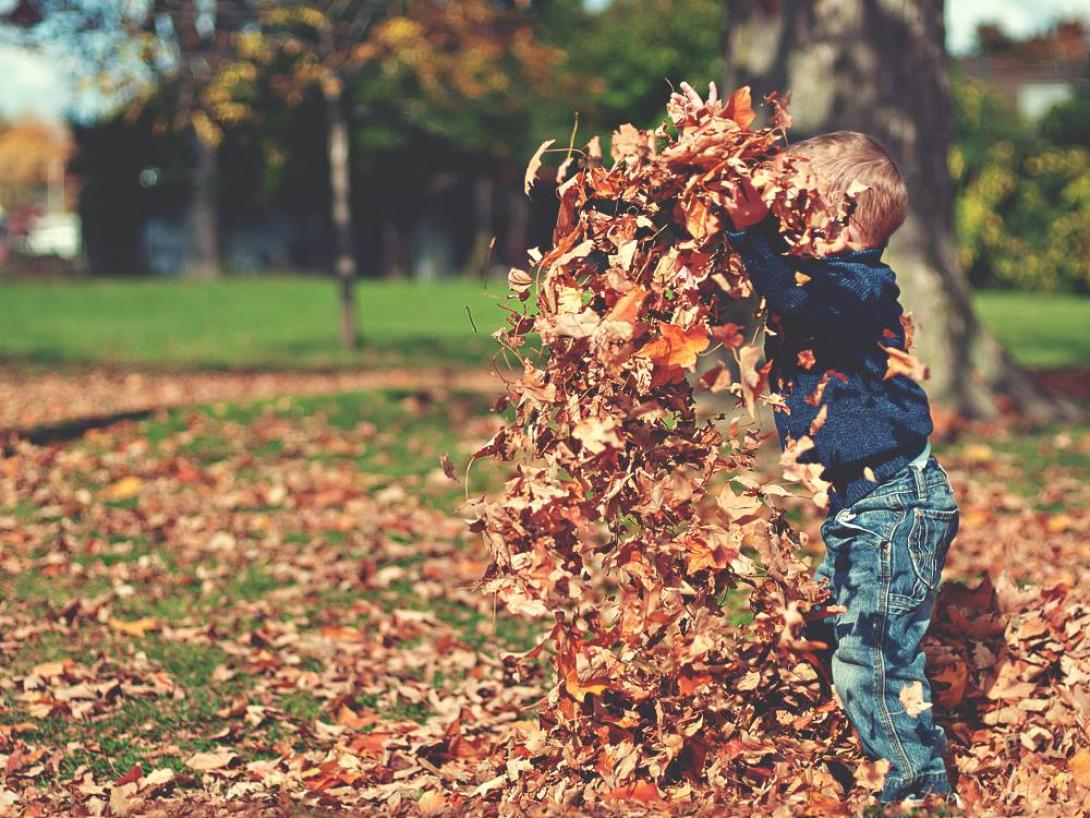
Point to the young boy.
(893, 514)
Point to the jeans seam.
(902, 780)
(880, 665)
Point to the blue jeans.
(883, 560)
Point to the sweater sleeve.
(838, 295)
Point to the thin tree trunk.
(204, 256)
(517, 240)
(879, 66)
(340, 173)
(392, 262)
(482, 225)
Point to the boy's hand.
(744, 205)
(688, 101)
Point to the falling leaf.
(675, 350)
(729, 335)
(902, 363)
(448, 466)
(519, 280)
(534, 165)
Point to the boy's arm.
(842, 300)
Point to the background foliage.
(1023, 192)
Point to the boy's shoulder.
(867, 261)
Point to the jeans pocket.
(928, 538)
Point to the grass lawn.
(292, 322)
(243, 323)
(1042, 331)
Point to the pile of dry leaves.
(631, 522)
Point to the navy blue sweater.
(842, 315)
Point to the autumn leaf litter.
(277, 625)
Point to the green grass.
(285, 322)
(1041, 331)
(274, 322)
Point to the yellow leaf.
(138, 628)
(124, 489)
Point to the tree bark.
(880, 67)
(340, 182)
(204, 255)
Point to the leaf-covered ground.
(269, 607)
(236, 598)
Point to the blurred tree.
(32, 157)
(322, 43)
(628, 52)
(467, 71)
(133, 50)
(1022, 201)
(478, 76)
(880, 68)
(1069, 122)
(189, 43)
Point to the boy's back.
(828, 339)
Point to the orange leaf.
(903, 363)
(740, 108)
(371, 743)
(627, 307)
(699, 219)
(645, 791)
(675, 351)
(566, 663)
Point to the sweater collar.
(869, 255)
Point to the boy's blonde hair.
(842, 157)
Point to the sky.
(35, 84)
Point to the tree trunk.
(340, 181)
(204, 257)
(879, 66)
(480, 255)
(392, 260)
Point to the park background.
(251, 255)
